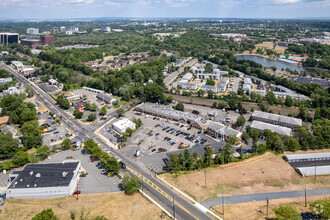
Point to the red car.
(76, 192)
(181, 144)
(94, 159)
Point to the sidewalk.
(263, 196)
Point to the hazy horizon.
(248, 9)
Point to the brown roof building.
(47, 39)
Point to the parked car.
(76, 192)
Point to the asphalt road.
(158, 191)
(175, 74)
(263, 196)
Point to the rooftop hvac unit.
(38, 175)
(64, 174)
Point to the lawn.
(265, 173)
(111, 205)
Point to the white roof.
(307, 156)
(124, 123)
(274, 128)
(310, 171)
(279, 118)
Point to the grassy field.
(111, 205)
(265, 173)
(258, 210)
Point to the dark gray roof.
(105, 97)
(45, 175)
(47, 88)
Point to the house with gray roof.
(222, 85)
(207, 88)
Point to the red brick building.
(47, 39)
(31, 43)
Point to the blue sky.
(43, 9)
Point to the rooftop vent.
(35, 185)
(38, 175)
(31, 173)
(64, 174)
(21, 180)
(27, 185)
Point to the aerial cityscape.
(167, 109)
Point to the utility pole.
(315, 169)
(305, 197)
(223, 205)
(267, 206)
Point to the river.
(270, 63)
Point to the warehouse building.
(307, 157)
(261, 126)
(276, 119)
(41, 181)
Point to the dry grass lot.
(258, 210)
(111, 205)
(265, 173)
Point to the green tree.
(271, 98)
(222, 104)
(88, 106)
(20, 158)
(8, 145)
(91, 117)
(321, 208)
(254, 134)
(78, 114)
(232, 104)
(288, 101)
(179, 106)
(240, 120)
(29, 92)
(103, 110)
(43, 151)
(93, 107)
(120, 112)
(130, 184)
(46, 214)
(286, 213)
(63, 102)
(210, 82)
(292, 144)
(66, 144)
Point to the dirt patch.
(258, 210)
(111, 205)
(265, 173)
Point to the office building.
(31, 43)
(106, 29)
(9, 38)
(63, 29)
(32, 31)
(47, 39)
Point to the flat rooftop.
(45, 175)
(307, 156)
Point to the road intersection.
(181, 208)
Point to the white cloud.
(286, 1)
(178, 3)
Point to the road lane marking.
(154, 186)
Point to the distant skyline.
(57, 9)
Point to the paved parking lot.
(94, 182)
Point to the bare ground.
(261, 174)
(246, 105)
(111, 205)
(258, 210)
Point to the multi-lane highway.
(161, 193)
